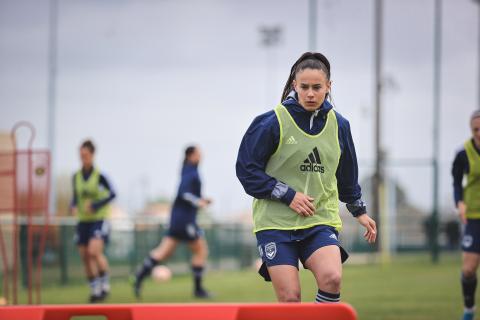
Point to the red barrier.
(272, 311)
(24, 194)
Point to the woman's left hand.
(371, 234)
(88, 207)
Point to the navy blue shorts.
(471, 236)
(286, 247)
(92, 230)
(187, 232)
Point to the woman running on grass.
(183, 227)
(298, 161)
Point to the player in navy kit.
(467, 200)
(298, 161)
(92, 194)
(183, 227)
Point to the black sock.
(325, 297)
(146, 268)
(469, 285)
(197, 277)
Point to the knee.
(289, 295)
(85, 258)
(333, 280)
(93, 253)
(204, 252)
(201, 253)
(469, 272)
(155, 254)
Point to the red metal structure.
(24, 196)
(271, 311)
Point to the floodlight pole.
(437, 74)
(478, 55)
(271, 36)
(52, 74)
(379, 154)
(312, 25)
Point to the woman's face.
(195, 156)
(475, 125)
(86, 157)
(311, 86)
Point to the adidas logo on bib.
(312, 163)
(291, 140)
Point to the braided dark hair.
(475, 114)
(88, 144)
(308, 60)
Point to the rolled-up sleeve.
(459, 168)
(258, 144)
(111, 193)
(349, 190)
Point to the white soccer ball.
(161, 274)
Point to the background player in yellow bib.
(467, 200)
(91, 195)
(298, 161)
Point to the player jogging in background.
(91, 195)
(183, 227)
(467, 200)
(297, 161)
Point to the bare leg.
(469, 279)
(90, 267)
(161, 253)
(326, 265)
(95, 249)
(91, 271)
(286, 283)
(165, 249)
(199, 249)
(470, 264)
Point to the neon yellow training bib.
(308, 164)
(471, 192)
(90, 190)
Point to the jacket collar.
(292, 104)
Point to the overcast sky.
(144, 79)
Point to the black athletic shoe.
(137, 286)
(105, 294)
(95, 299)
(202, 294)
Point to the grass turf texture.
(408, 288)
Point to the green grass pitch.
(408, 288)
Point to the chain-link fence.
(231, 246)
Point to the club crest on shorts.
(271, 250)
(191, 231)
(467, 241)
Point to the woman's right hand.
(203, 203)
(302, 204)
(462, 211)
